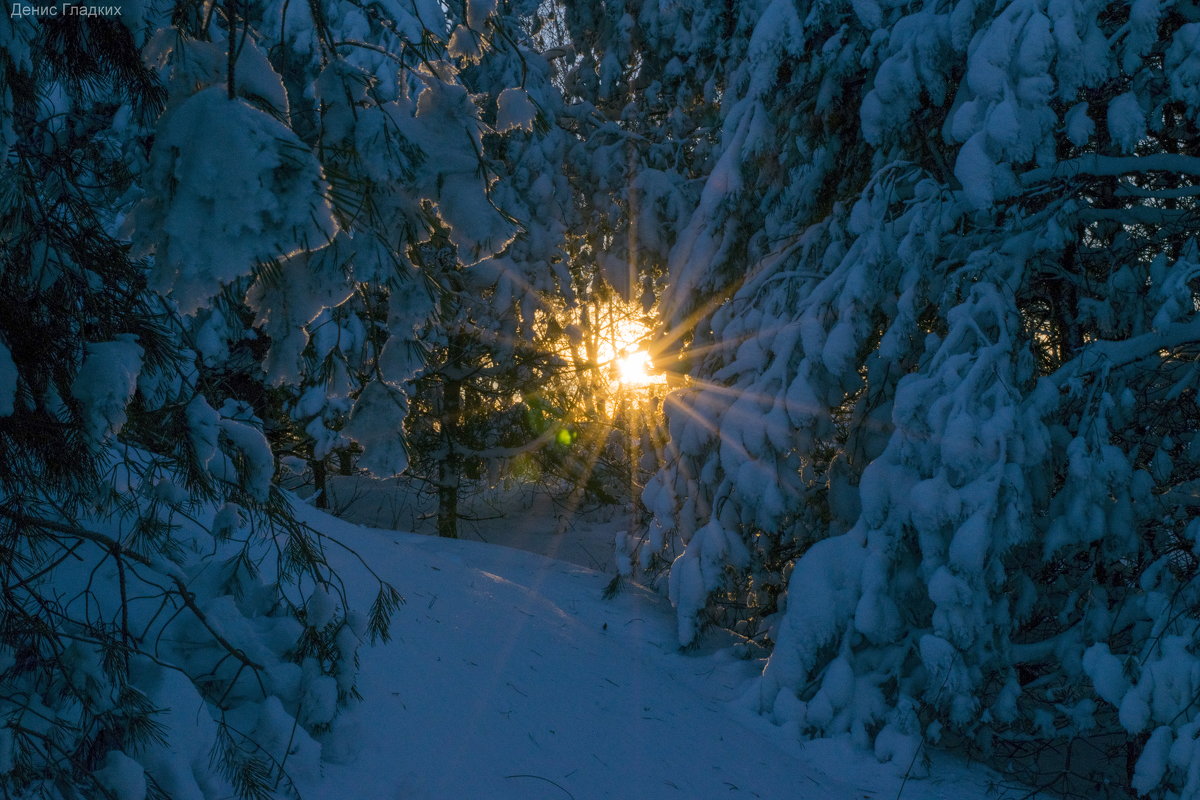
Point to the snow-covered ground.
(509, 676)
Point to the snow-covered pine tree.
(949, 403)
(748, 450)
(377, 96)
(497, 385)
(417, 204)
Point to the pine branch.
(113, 546)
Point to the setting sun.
(633, 369)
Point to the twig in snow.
(547, 780)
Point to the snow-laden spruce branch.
(1142, 215)
(1101, 166)
(1105, 356)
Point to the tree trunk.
(447, 518)
(320, 481)
(450, 467)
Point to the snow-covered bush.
(170, 647)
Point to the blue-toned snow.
(509, 677)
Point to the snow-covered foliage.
(105, 384)
(228, 186)
(938, 445)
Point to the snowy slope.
(509, 677)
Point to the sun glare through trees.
(634, 368)
(621, 351)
